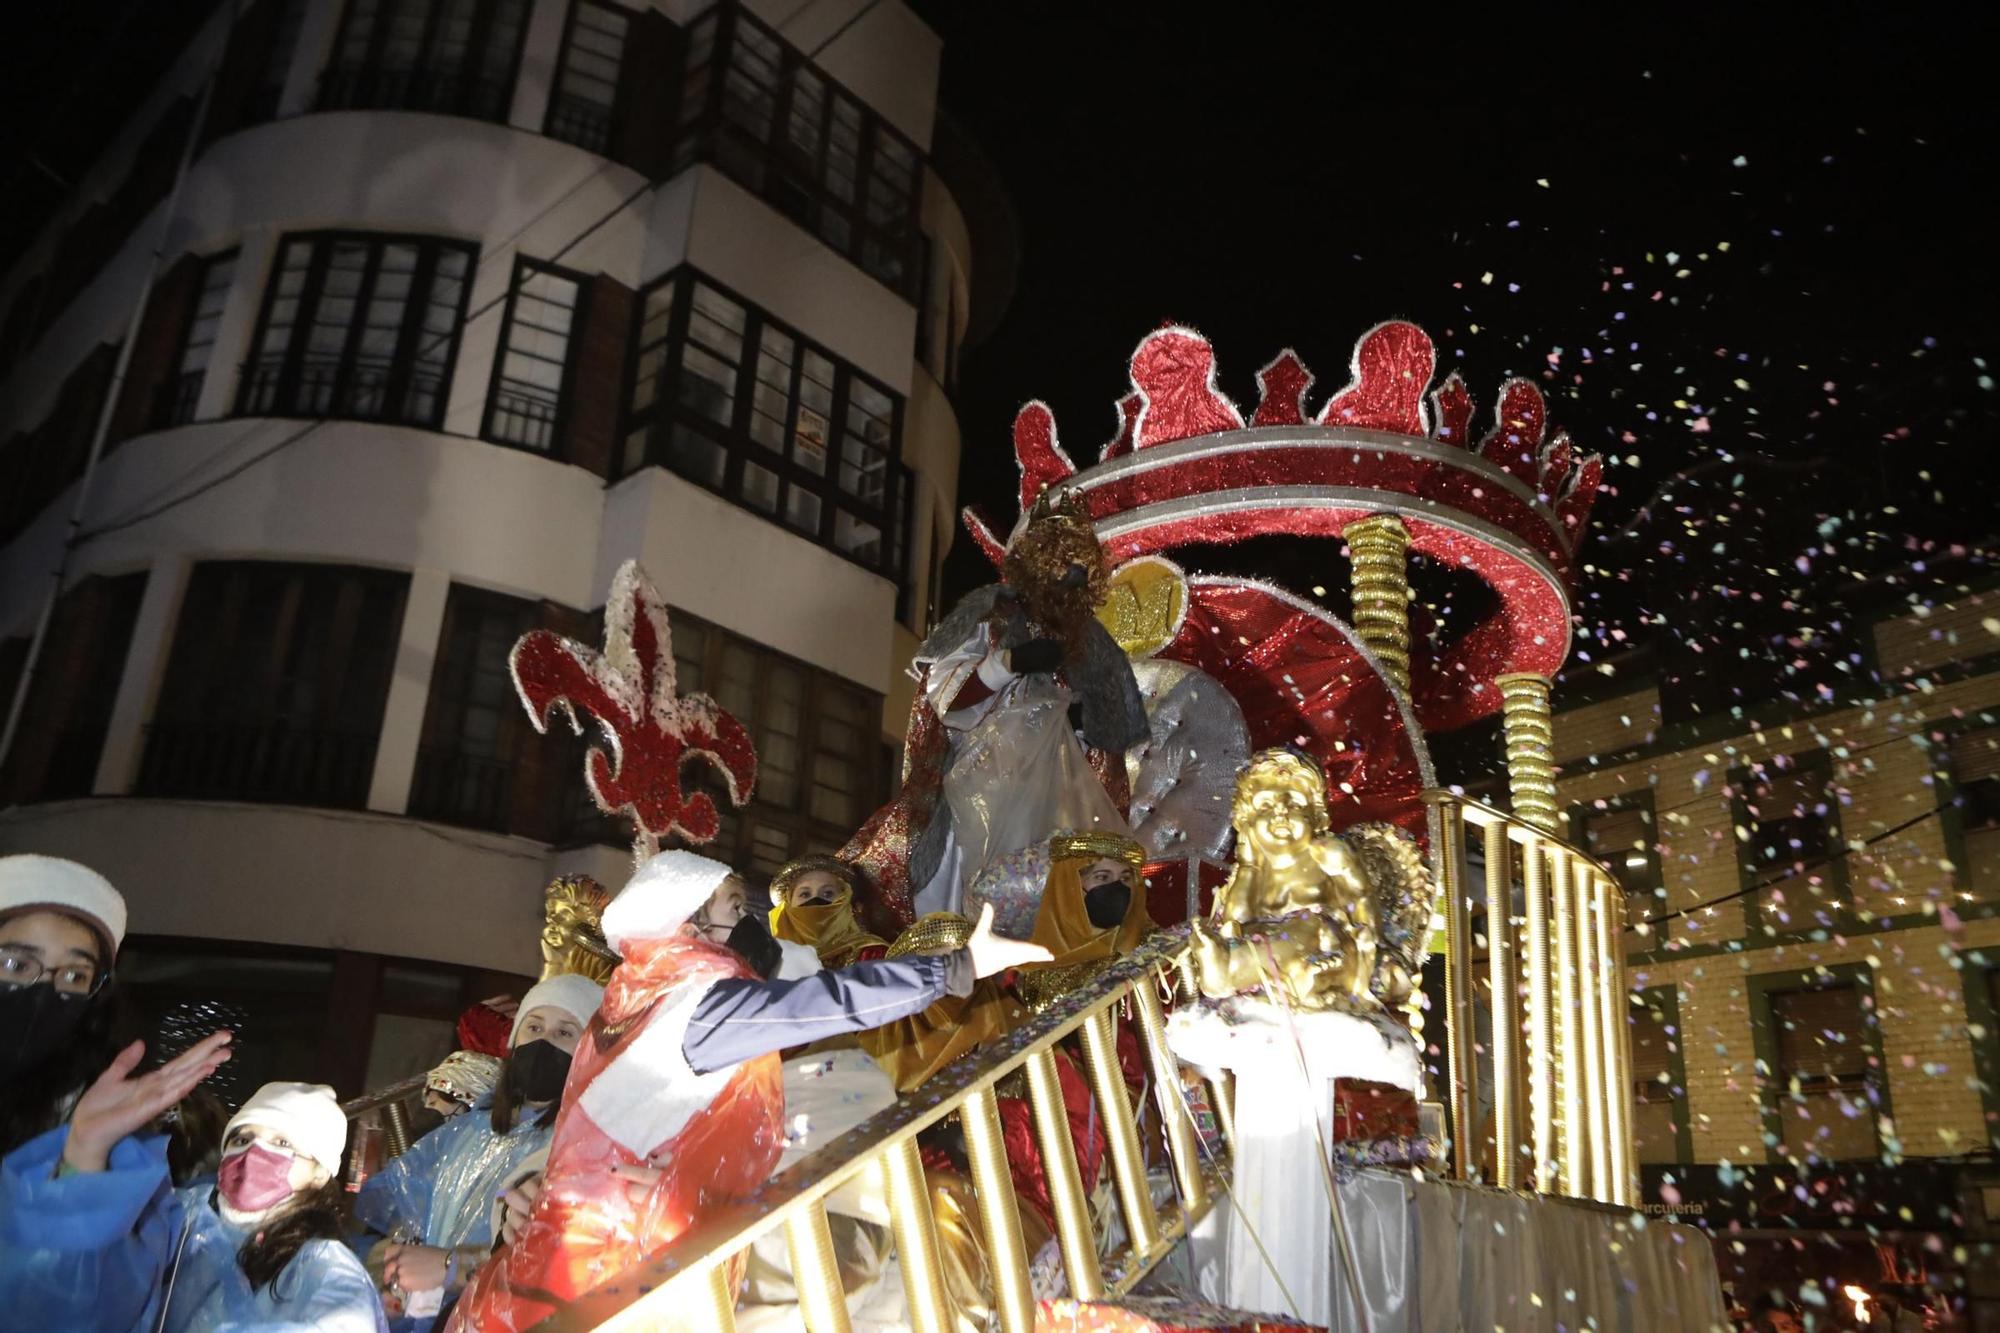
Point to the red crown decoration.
(1186, 467)
(650, 732)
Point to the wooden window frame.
(735, 438)
(1832, 867)
(614, 117)
(1772, 1089)
(804, 828)
(696, 135)
(566, 392)
(404, 359)
(168, 411)
(1666, 999)
(336, 90)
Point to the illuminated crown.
(1185, 467)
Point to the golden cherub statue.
(572, 938)
(1302, 917)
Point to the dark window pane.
(586, 90)
(534, 358)
(453, 56)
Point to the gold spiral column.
(1531, 750)
(1379, 575)
(1501, 980)
(1541, 1016)
(993, 1186)
(1569, 1031)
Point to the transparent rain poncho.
(441, 1191)
(716, 1136)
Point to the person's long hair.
(40, 1099)
(315, 1216)
(508, 1101)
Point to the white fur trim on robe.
(649, 1092)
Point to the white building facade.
(457, 305)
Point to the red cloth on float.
(585, 1228)
(484, 1029)
(1024, 1150)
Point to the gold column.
(1079, 1245)
(986, 1153)
(1121, 1130)
(815, 1271)
(1531, 755)
(1541, 1020)
(916, 1239)
(1501, 981)
(1379, 574)
(721, 1298)
(1569, 1033)
(1590, 969)
(1625, 1107)
(1182, 1142)
(1461, 1032)
(1223, 1089)
(1617, 1086)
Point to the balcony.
(470, 790)
(273, 762)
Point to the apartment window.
(1622, 834)
(734, 401)
(276, 684)
(457, 57)
(1820, 1097)
(473, 721)
(180, 395)
(275, 69)
(1975, 794)
(1659, 1079)
(359, 326)
(61, 737)
(585, 97)
(772, 120)
(818, 742)
(1789, 842)
(535, 343)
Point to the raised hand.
(996, 953)
(118, 1104)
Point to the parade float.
(1312, 1138)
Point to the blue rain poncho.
(441, 1191)
(96, 1252)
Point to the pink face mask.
(255, 1179)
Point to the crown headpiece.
(1186, 466)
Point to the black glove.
(1035, 655)
(751, 939)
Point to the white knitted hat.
(574, 994)
(306, 1113)
(661, 895)
(28, 881)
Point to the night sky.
(1749, 260)
(1747, 255)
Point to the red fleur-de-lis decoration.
(649, 731)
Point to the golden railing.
(1554, 977)
(690, 1275)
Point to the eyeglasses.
(19, 967)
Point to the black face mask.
(1107, 903)
(751, 939)
(36, 1022)
(539, 1070)
(423, 1120)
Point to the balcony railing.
(372, 88)
(176, 400)
(1554, 973)
(690, 1274)
(476, 791)
(276, 763)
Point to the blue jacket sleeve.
(738, 1020)
(400, 1193)
(85, 1251)
(324, 1289)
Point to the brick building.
(1815, 1041)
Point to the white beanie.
(661, 895)
(573, 993)
(28, 882)
(306, 1113)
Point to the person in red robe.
(677, 1081)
